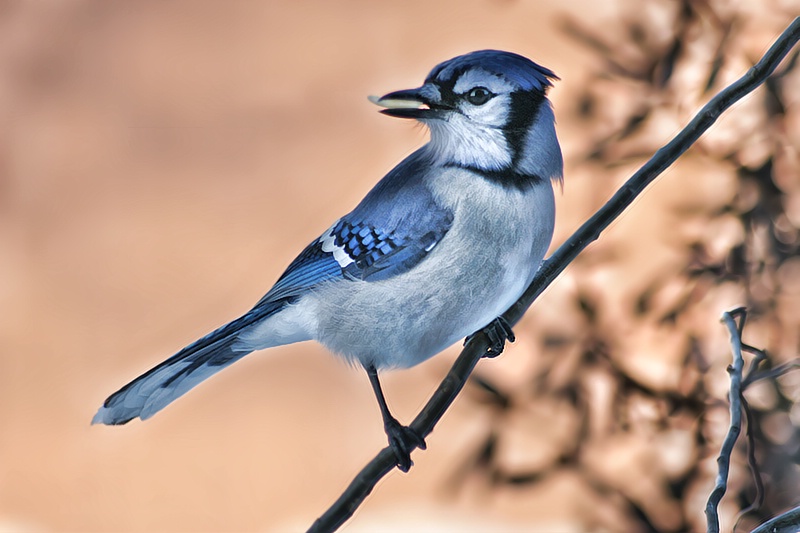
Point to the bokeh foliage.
(629, 400)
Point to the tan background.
(160, 164)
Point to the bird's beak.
(411, 103)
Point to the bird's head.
(487, 111)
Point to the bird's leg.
(498, 331)
(402, 439)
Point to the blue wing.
(394, 228)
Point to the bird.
(439, 248)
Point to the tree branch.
(735, 398)
(784, 523)
(779, 370)
(789, 520)
(384, 462)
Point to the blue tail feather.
(164, 383)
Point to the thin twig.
(735, 397)
(752, 462)
(752, 372)
(787, 522)
(424, 423)
(776, 372)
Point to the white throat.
(464, 143)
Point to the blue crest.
(514, 67)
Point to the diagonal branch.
(384, 462)
(784, 523)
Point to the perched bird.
(438, 249)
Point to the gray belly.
(474, 274)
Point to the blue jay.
(438, 249)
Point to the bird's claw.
(498, 331)
(403, 440)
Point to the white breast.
(482, 265)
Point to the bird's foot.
(498, 331)
(403, 440)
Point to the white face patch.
(328, 241)
(494, 113)
(472, 135)
(480, 78)
(464, 142)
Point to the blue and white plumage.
(439, 248)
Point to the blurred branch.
(785, 523)
(384, 462)
(735, 396)
(772, 373)
(752, 462)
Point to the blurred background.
(162, 162)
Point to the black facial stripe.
(524, 108)
(449, 100)
(447, 87)
(507, 178)
(449, 84)
(446, 90)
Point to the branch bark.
(384, 462)
(787, 522)
(735, 427)
(790, 520)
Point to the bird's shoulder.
(389, 232)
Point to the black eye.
(479, 95)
